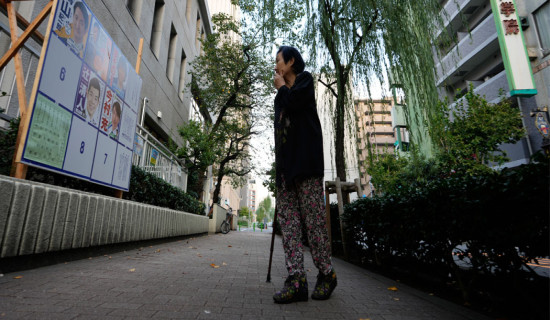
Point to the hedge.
(496, 223)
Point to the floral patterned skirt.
(298, 205)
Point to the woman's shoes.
(295, 290)
(324, 286)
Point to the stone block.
(98, 221)
(6, 189)
(59, 220)
(46, 222)
(32, 223)
(89, 224)
(16, 220)
(81, 220)
(70, 221)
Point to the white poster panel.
(81, 148)
(61, 74)
(104, 159)
(84, 110)
(127, 127)
(123, 160)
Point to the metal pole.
(271, 250)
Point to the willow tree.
(229, 85)
(355, 42)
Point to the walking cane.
(271, 250)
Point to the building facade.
(375, 131)
(482, 59)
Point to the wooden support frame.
(29, 31)
(19, 170)
(23, 23)
(342, 190)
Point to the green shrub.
(243, 223)
(147, 188)
(7, 146)
(496, 221)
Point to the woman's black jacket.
(298, 135)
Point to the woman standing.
(299, 174)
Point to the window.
(134, 6)
(156, 31)
(183, 64)
(172, 54)
(198, 32)
(542, 18)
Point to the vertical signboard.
(85, 102)
(512, 46)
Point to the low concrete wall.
(218, 216)
(36, 218)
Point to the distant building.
(374, 130)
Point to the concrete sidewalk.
(208, 277)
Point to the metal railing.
(152, 156)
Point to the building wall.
(126, 22)
(476, 60)
(233, 195)
(374, 125)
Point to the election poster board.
(84, 102)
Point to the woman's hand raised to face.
(278, 80)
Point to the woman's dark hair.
(289, 53)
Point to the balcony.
(469, 52)
(451, 12)
(490, 89)
(388, 130)
(378, 118)
(382, 140)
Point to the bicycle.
(226, 226)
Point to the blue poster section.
(85, 108)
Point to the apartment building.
(505, 45)
(375, 131)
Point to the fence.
(153, 157)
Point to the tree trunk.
(340, 158)
(219, 178)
